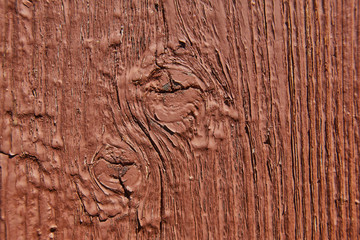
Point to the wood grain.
(179, 119)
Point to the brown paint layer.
(176, 119)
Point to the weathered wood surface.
(179, 119)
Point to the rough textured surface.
(179, 119)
